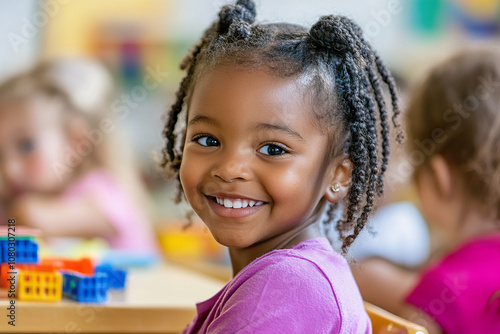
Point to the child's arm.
(386, 285)
(417, 316)
(58, 218)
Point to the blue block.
(26, 251)
(126, 259)
(84, 288)
(116, 277)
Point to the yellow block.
(182, 244)
(193, 242)
(39, 286)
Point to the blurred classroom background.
(141, 39)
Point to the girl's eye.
(207, 141)
(271, 149)
(26, 146)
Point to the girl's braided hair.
(342, 74)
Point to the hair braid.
(171, 160)
(370, 57)
(357, 151)
(345, 40)
(389, 80)
(384, 131)
(384, 73)
(363, 104)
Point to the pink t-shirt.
(461, 292)
(306, 289)
(133, 231)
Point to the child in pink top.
(63, 168)
(454, 127)
(459, 291)
(265, 295)
(133, 232)
(283, 122)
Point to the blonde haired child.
(64, 170)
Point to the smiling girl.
(282, 124)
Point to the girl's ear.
(441, 170)
(340, 181)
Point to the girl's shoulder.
(476, 251)
(471, 259)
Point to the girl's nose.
(232, 167)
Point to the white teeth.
(236, 203)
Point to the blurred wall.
(18, 42)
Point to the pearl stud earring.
(335, 188)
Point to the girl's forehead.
(256, 90)
(248, 91)
(228, 82)
(34, 112)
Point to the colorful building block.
(125, 259)
(82, 266)
(84, 288)
(116, 277)
(6, 271)
(26, 251)
(39, 286)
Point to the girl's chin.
(233, 241)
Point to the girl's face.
(31, 141)
(254, 164)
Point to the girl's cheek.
(187, 173)
(40, 173)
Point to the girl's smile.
(233, 205)
(255, 166)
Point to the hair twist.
(235, 20)
(329, 33)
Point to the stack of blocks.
(49, 279)
(33, 282)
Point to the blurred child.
(62, 168)
(283, 122)
(454, 127)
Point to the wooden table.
(156, 300)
